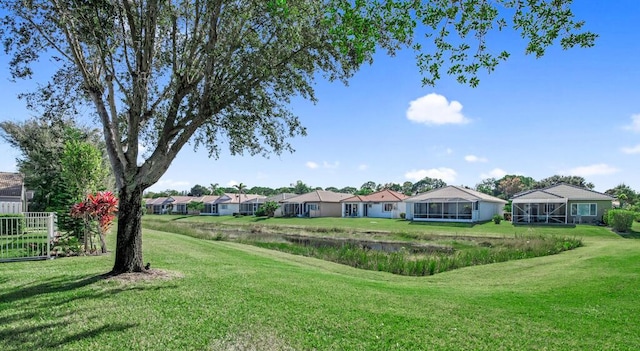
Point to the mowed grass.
(238, 297)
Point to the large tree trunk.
(129, 240)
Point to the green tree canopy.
(425, 184)
(558, 179)
(199, 190)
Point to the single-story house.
(453, 204)
(381, 204)
(13, 196)
(560, 203)
(210, 205)
(180, 204)
(159, 205)
(228, 204)
(251, 204)
(278, 198)
(318, 203)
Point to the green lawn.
(233, 296)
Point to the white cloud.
(435, 109)
(312, 165)
(494, 173)
(446, 174)
(474, 158)
(635, 123)
(597, 169)
(363, 167)
(232, 183)
(326, 164)
(631, 150)
(449, 151)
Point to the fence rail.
(27, 236)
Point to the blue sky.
(573, 112)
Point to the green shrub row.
(620, 220)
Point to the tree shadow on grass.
(632, 234)
(49, 335)
(62, 284)
(42, 315)
(53, 285)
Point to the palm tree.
(215, 189)
(241, 188)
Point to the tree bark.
(129, 240)
(103, 243)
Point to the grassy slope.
(233, 294)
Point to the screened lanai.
(455, 209)
(539, 211)
(453, 204)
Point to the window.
(387, 207)
(223, 207)
(584, 210)
(312, 207)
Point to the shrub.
(605, 216)
(621, 220)
(270, 208)
(403, 215)
(67, 245)
(497, 219)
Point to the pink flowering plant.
(98, 212)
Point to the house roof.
(11, 184)
(385, 195)
(209, 199)
(318, 196)
(561, 192)
(159, 201)
(280, 197)
(181, 200)
(233, 198)
(253, 199)
(454, 193)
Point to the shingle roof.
(452, 192)
(253, 199)
(159, 201)
(318, 196)
(564, 191)
(385, 195)
(185, 199)
(280, 197)
(538, 196)
(11, 184)
(233, 198)
(209, 199)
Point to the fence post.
(50, 235)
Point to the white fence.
(10, 207)
(27, 236)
